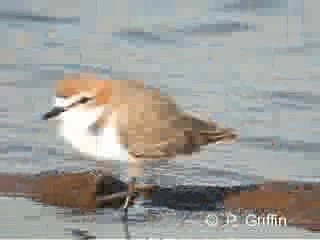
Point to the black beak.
(55, 111)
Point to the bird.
(125, 120)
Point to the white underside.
(103, 146)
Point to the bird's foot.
(143, 186)
(131, 192)
(129, 199)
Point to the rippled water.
(252, 65)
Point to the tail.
(220, 135)
(204, 132)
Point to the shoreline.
(298, 203)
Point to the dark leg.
(130, 195)
(125, 223)
(131, 190)
(105, 196)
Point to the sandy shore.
(35, 220)
(62, 203)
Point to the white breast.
(108, 146)
(103, 146)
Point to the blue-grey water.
(252, 65)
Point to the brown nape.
(75, 84)
(104, 92)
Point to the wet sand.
(298, 203)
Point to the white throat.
(104, 145)
(75, 122)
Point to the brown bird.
(123, 120)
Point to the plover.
(126, 121)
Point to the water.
(252, 65)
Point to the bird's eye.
(84, 100)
